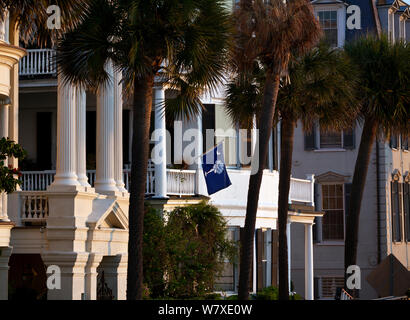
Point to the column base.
(69, 188)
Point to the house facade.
(384, 218)
(70, 218)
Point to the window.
(328, 22)
(330, 140)
(396, 209)
(329, 285)
(333, 205)
(321, 139)
(399, 141)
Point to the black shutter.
(259, 264)
(406, 201)
(400, 197)
(393, 142)
(404, 142)
(349, 139)
(316, 198)
(348, 191)
(310, 139)
(395, 210)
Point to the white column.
(118, 153)
(308, 262)
(104, 180)
(160, 143)
(4, 128)
(288, 234)
(199, 148)
(80, 98)
(66, 136)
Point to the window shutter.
(395, 210)
(393, 142)
(310, 139)
(349, 139)
(275, 257)
(241, 234)
(259, 265)
(400, 212)
(348, 191)
(404, 142)
(315, 227)
(406, 200)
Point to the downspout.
(378, 205)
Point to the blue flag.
(213, 165)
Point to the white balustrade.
(34, 207)
(37, 180)
(38, 62)
(181, 182)
(301, 190)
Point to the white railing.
(181, 182)
(38, 62)
(301, 190)
(34, 207)
(36, 180)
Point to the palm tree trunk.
(359, 180)
(286, 151)
(265, 130)
(140, 149)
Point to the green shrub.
(268, 293)
(185, 251)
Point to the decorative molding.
(406, 177)
(396, 175)
(331, 177)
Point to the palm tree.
(384, 83)
(29, 17)
(320, 87)
(181, 41)
(265, 33)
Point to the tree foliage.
(185, 250)
(8, 180)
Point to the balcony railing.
(34, 207)
(38, 62)
(301, 191)
(180, 182)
